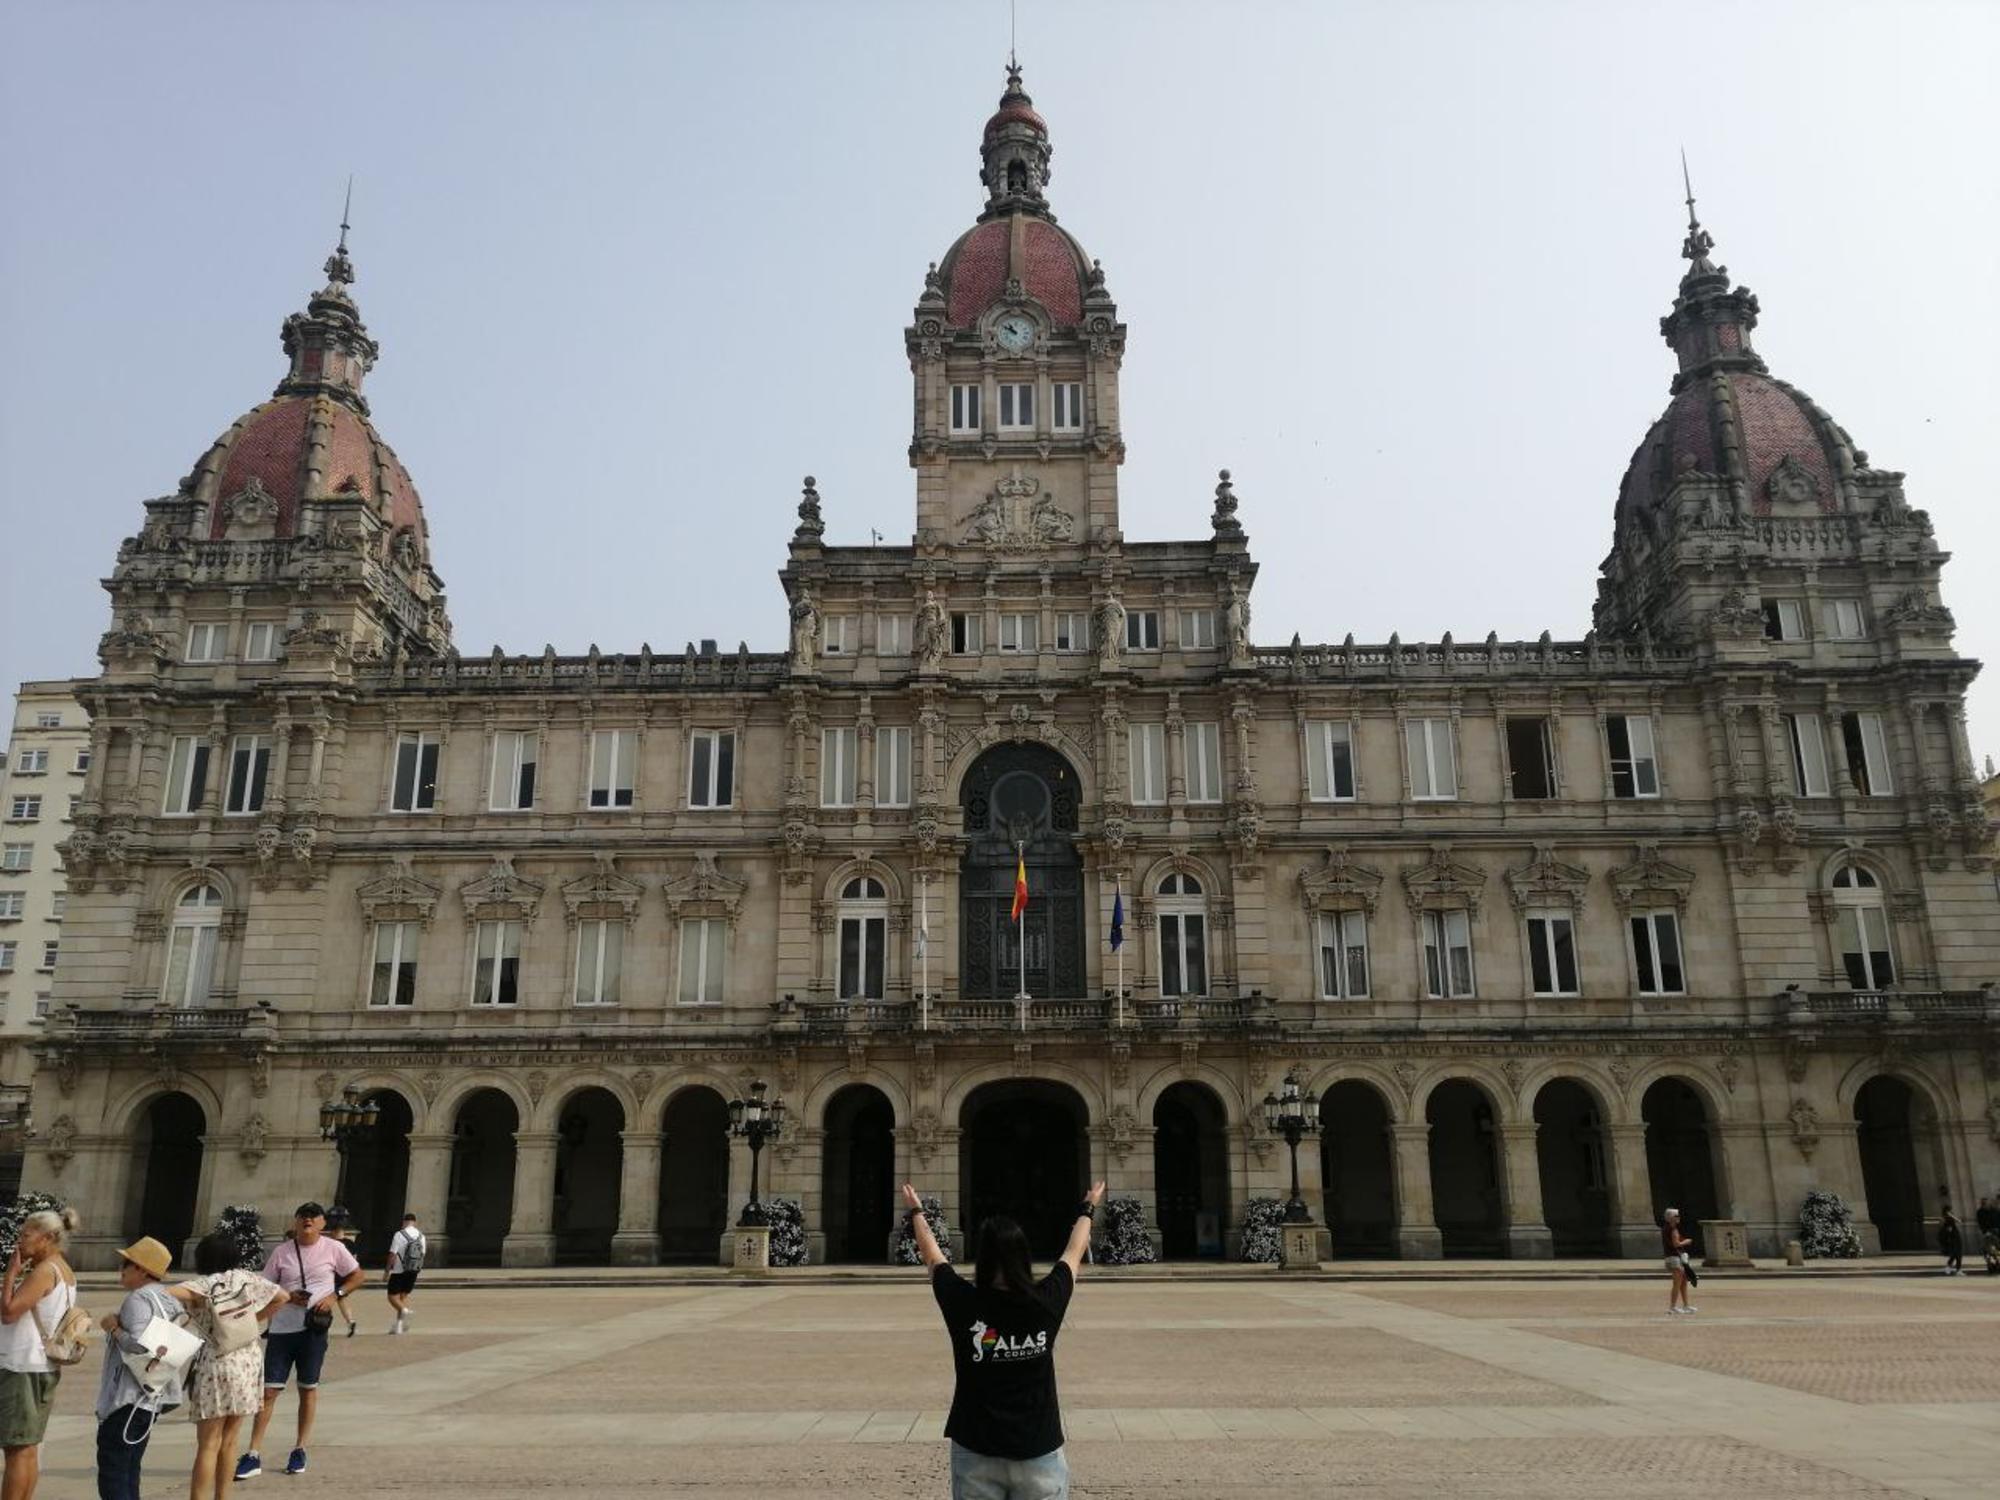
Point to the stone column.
(428, 1189)
(1528, 1236)
(1638, 1237)
(1417, 1234)
(637, 1242)
(1840, 1145)
(530, 1239)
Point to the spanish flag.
(1020, 886)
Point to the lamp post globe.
(756, 1120)
(1293, 1113)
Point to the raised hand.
(1096, 1194)
(910, 1198)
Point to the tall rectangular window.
(1329, 761)
(260, 640)
(1067, 396)
(496, 963)
(393, 980)
(81, 763)
(1343, 955)
(190, 963)
(32, 762)
(1634, 770)
(249, 768)
(1197, 629)
(1433, 766)
(515, 756)
(837, 635)
(24, 809)
(13, 905)
(1808, 744)
(1864, 946)
(892, 635)
(863, 944)
(17, 857)
(1204, 762)
(1183, 953)
(7, 952)
(416, 783)
(1073, 631)
(1867, 754)
(1552, 953)
(612, 755)
(892, 766)
(1148, 745)
(600, 955)
(1843, 620)
(205, 641)
(836, 767)
(1784, 620)
(1019, 632)
(712, 768)
(968, 633)
(1017, 406)
(1531, 761)
(703, 943)
(965, 408)
(1447, 954)
(1656, 953)
(187, 775)
(1142, 630)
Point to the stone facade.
(1698, 909)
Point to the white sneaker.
(1690, 1310)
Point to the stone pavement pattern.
(1875, 1387)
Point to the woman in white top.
(39, 1290)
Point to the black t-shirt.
(1003, 1351)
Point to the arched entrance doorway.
(694, 1176)
(1890, 1121)
(166, 1151)
(589, 1157)
(1020, 798)
(1022, 1152)
(1465, 1169)
(374, 1173)
(480, 1205)
(1680, 1154)
(1191, 1170)
(1570, 1153)
(858, 1175)
(1355, 1165)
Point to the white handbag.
(170, 1349)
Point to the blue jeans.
(974, 1476)
(117, 1460)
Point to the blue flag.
(1117, 918)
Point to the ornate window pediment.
(500, 894)
(705, 891)
(602, 894)
(401, 895)
(1651, 880)
(1442, 881)
(1339, 884)
(1547, 881)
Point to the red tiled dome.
(1053, 269)
(1772, 422)
(1011, 111)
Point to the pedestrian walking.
(1986, 1220)
(407, 1248)
(231, 1306)
(317, 1272)
(37, 1294)
(1676, 1246)
(1951, 1240)
(1005, 1424)
(126, 1408)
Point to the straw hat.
(149, 1255)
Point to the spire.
(1709, 327)
(1014, 154)
(328, 345)
(1695, 248)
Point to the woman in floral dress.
(222, 1389)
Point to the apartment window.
(1808, 742)
(1843, 620)
(892, 635)
(7, 952)
(1197, 629)
(1329, 761)
(392, 981)
(1634, 770)
(51, 949)
(191, 947)
(82, 763)
(864, 931)
(965, 408)
(1148, 747)
(703, 943)
(1204, 762)
(58, 906)
(712, 768)
(496, 963)
(600, 955)
(1867, 754)
(1433, 766)
(42, 1002)
(48, 719)
(25, 809)
(1447, 954)
(1784, 620)
(205, 641)
(1656, 953)
(13, 905)
(1017, 406)
(837, 636)
(1073, 632)
(415, 786)
(837, 752)
(1863, 928)
(1183, 917)
(1531, 761)
(1019, 632)
(69, 808)
(17, 856)
(1343, 955)
(249, 769)
(32, 762)
(515, 755)
(1552, 953)
(1067, 396)
(892, 766)
(187, 774)
(612, 754)
(260, 641)
(1142, 630)
(968, 633)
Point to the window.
(1433, 768)
(42, 1002)
(1017, 406)
(892, 766)
(968, 633)
(17, 856)
(600, 954)
(703, 941)
(1552, 953)
(892, 635)
(260, 641)
(1531, 762)
(205, 641)
(864, 929)
(515, 753)
(1867, 754)
(1148, 747)
(1068, 398)
(51, 950)
(249, 769)
(837, 635)
(1197, 629)
(7, 952)
(1073, 632)
(836, 767)
(612, 752)
(32, 762)
(82, 762)
(393, 979)
(58, 906)
(965, 408)
(1634, 771)
(1808, 742)
(1656, 953)
(1843, 620)
(712, 768)
(1343, 955)
(191, 947)
(1142, 630)
(1862, 925)
(415, 786)
(69, 808)
(1448, 954)
(25, 809)
(13, 905)
(1019, 632)
(1784, 620)
(48, 719)
(1329, 762)
(187, 774)
(1183, 937)
(1204, 762)
(496, 963)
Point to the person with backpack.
(127, 1407)
(407, 1248)
(317, 1272)
(231, 1306)
(37, 1299)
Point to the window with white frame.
(82, 762)
(600, 955)
(1147, 744)
(1019, 631)
(1784, 619)
(1843, 620)
(414, 788)
(1448, 954)
(1656, 953)
(1552, 953)
(864, 936)
(58, 906)
(260, 640)
(1204, 762)
(25, 809)
(48, 719)
(249, 770)
(51, 951)
(516, 753)
(1142, 630)
(837, 635)
(1433, 763)
(965, 408)
(7, 952)
(1197, 629)
(892, 766)
(1329, 761)
(206, 641)
(968, 633)
(712, 768)
(69, 807)
(1066, 397)
(32, 762)
(191, 943)
(1867, 754)
(613, 753)
(17, 857)
(1343, 955)
(1183, 920)
(13, 905)
(43, 1000)
(704, 941)
(496, 962)
(892, 635)
(1073, 631)
(837, 769)
(187, 775)
(1628, 740)
(392, 979)
(1861, 923)
(1807, 739)
(1531, 759)
(1017, 406)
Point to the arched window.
(1017, 176)
(191, 947)
(1861, 927)
(864, 934)
(1183, 937)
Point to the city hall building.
(1698, 909)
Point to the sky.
(635, 269)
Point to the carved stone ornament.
(323, 1086)
(1406, 1077)
(260, 1074)
(924, 1134)
(430, 1085)
(1546, 881)
(501, 892)
(1734, 617)
(642, 1083)
(1511, 1070)
(1915, 611)
(1121, 1064)
(536, 1083)
(250, 1142)
(1729, 1068)
(1016, 516)
(1441, 881)
(253, 505)
(61, 1144)
(1337, 883)
(1651, 880)
(601, 891)
(69, 1069)
(1621, 1073)
(399, 895)
(1121, 1133)
(705, 891)
(1792, 483)
(925, 1064)
(1805, 1127)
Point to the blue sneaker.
(296, 1464)
(249, 1466)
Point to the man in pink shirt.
(318, 1271)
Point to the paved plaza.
(1853, 1385)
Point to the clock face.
(1014, 333)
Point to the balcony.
(840, 1018)
(165, 1025)
(1909, 1006)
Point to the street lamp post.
(756, 1121)
(344, 1121)
(1294, 1115)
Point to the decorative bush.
(906, 1242)
(1826, 1227)
(1121, 1236)
(14, 1213)
(1262, 1234)
(788, 1231)
(247, 1229)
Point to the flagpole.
(1021, 935)
(924, 951)
(1117, 890)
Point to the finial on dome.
(811, 525)
(340, 269)
(1695, 248)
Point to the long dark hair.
(1003, 1257)
(217, 1252)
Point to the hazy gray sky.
(636, 268)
